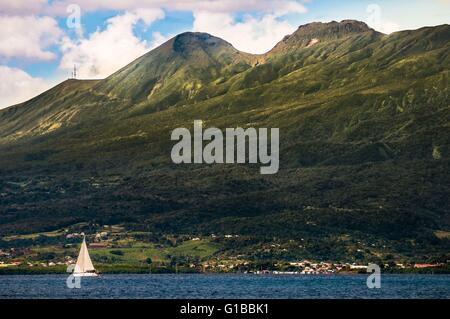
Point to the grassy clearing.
(142, 251)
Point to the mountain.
(176, 71)
(364, 145)
(316, 32)
(44, 113)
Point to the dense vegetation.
(365, 144)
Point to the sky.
(41, 40)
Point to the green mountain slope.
(364, 149)
(44, 113)
(175, 71)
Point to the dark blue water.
(226, 286)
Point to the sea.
(228, 286)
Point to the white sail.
(84, 262)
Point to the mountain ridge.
(364, 144)
(308, 31)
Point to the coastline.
(124, 269)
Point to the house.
(296, 264)
(101, 235)
(358, 267)
(425, 265)
(73, 235)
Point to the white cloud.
(279, 7)
(158, 39)
(17, 86)
(252, 35)
(387, 27)
(255, 35)
(377, 20)
(28, 37)
(104, 52)
(22, 7)
(224, 6)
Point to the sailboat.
(84, 266)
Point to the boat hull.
(86, 274)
